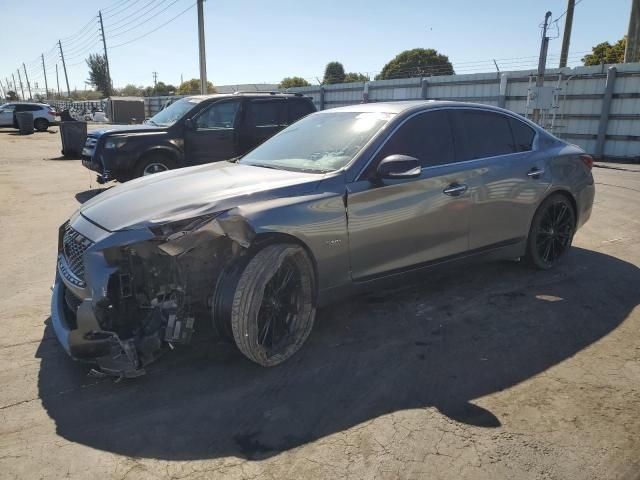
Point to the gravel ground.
(485, 372)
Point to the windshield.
(321, 142)
(174, 112)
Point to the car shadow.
(86, 195)
(441, 342)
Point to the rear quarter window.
(523, 135)
(298, 109)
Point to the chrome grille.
(73, 247)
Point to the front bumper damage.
(134, 294)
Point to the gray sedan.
(338, 202)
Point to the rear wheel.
(273, 309)
(41, 124)
(551, 232)
(154, 163)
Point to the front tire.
(153, 163)
(551, 232)
(41, 124)
(273, 308)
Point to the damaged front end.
(121, 299)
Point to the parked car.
(43, 115)
(193, 130)
(342, 200)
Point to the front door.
(396, 225)
(6, 115)
(213, 133)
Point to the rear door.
(397, 225)
(508, 178)
(6, 115)
(298, 108)
(213, 136)
(263, 118)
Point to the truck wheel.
(41, 124)
(154, 163)
(273, 309)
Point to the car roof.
(27, 103)
(411, 105)
(245, 94)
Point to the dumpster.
(25, 122)
(73, 135)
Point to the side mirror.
(188, 124)
(399, 167)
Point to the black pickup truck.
(194, 130)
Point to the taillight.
(587, 160)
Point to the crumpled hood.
(125, 129)
(189, 192)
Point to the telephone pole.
(632, 51)
(46, 85)
(106, 58)
(28, 84)
(15, 85)
(566, 36)
(21, 87)
(155, 78)
(57, 81)
(2, 90)
(542, 62)
(64, 67)
(203, 57)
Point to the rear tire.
(153, 163)
(551, 233)
(41, 124)
(273, 309)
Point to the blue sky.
(257, 41)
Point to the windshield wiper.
(149, 121)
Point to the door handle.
(455, 189)
(535, 172)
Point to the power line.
(132, 16)
(147, 20)
(157, 28)
(112, 7)
(126, 7)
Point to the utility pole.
(46, 85)
(203, 57)
(542, 62)
(28, 84)
(64, 67)
(106, 58)
(2, 90)
(21, 87)
(57, 81)
(15, 85)
(632, 52)
(566, 36)
(155, 78)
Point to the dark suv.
(194, 130)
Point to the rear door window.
(298, 108)
(523, 135)
(481, 134)
(427, 137)
(266, 113)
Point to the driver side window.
(218, 115)
(426, 137)
(8, 108)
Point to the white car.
(43, 114)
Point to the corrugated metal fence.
(604, 121)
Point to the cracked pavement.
(484, 372)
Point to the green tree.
(130, 90)
(417, 62)
(291, 82)
(333, 73)
(11, 95)
(193, 87)
(98, 76)
(606, 53)
(355, 77)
